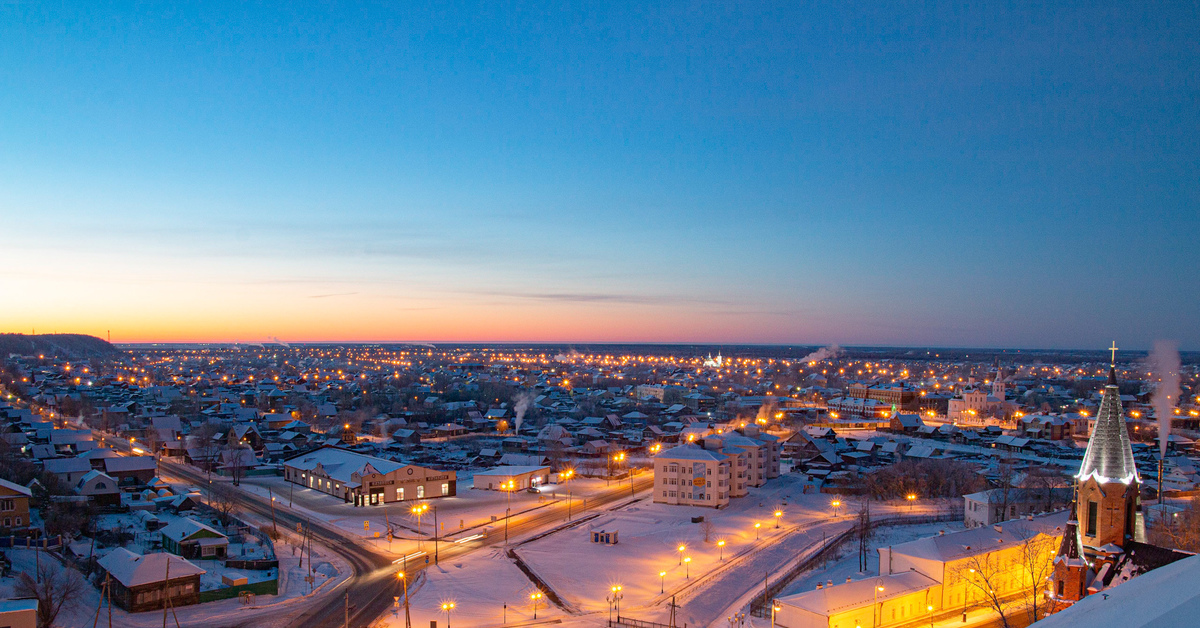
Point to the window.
(1093, 514)
(421, 491)
(7, 505)
(445, 488)
(18, 521)
(664, 493)
(400, 493)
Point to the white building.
(366, 480)
(690, 476)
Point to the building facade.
(367, 480)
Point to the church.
(1103, 544)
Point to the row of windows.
(11, 521)
(154, 595)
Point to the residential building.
(366, 480)
(691, 476)
(145, 582)
(14, 505)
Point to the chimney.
(829, 583)
(820, 585)
(848, 579)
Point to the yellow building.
(14, 505)
(930, 576)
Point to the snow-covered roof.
(981, 540)
(185, 527)
(511, 470)
(843, 597)
(133, 570)
(688, 452)
(16, 487)
(1166, 596)
(1109, 456)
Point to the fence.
(267, 587)
(629, 622)
(48, 543)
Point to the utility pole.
(347, 607)
(435, 545)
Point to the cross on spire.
(1113, 348)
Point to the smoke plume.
(824, 353)
(523, 402)
(1164, 361)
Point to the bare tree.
(1046, 483)
(984, 575)
(1006, 481)
(204, 439)
(223, 499)
(706, 528)
(1177, 531)
(55, 587)
(863, 533)
(1037, 565)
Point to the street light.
(508, 488)
(614, 601)
(567, 475)
(874, 603)
(911, 497)
(662, 582)
(757, 525)
(682, 548)
(721, 547)
(775, 608)
(837, 503)
(417, 511)
(929, 607)
(778, 514)
(534, 598)
(447, 606)
(687, 563)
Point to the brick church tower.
(1106, 502)
(1108, 482)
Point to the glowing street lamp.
(682, 548)
(418, 510)
(447, 606)
(837, 503)
(778, 515)
(721, 547)
(687, 563)
(566, 475)
(662, 582)
(911, 497)
(775, 608)
(614, 601)
(757, 525)
(534, 598)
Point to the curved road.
(373, 583)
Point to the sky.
(1006, 175)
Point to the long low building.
(521, 476)
(366, 480)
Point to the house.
(68, 470)
(987, 507)
(100, 488)
(191, 539)
(366, 480)
(19, 613)
(512, 477)
(145, 582)
(131, 470)
(14, 505)
(905, 423)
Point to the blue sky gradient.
(1008, 175)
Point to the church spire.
(1109, 456)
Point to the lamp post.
(778, 515)
(682, 548)
(534, 598)
(508, 488)
(404, 581)
(757, 525)
(837, 503)
(567, 475)
(447, 606)
(418, 510)
(273, 526)
(721, 549)
(929, 608)
(662, 582)
(874, 603)
(911, 497)
(614, 601)
(687, 564)
(775, 608)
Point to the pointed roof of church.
(1069, 551)
(1109, 457)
